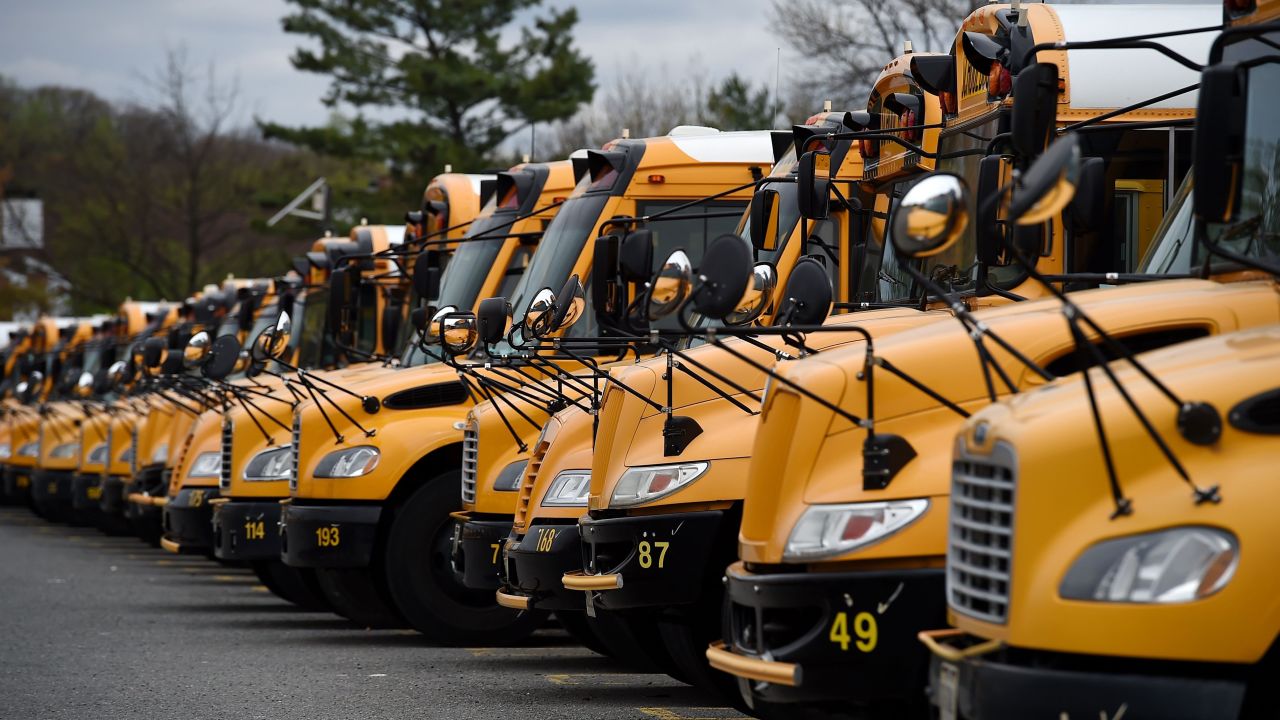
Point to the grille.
(979, 553)
(133, 452)
(527, 482)
(295, 443)
(470, 460)
(224, 473)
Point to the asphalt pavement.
(101, 627)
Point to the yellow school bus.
(370, 547)
(1147, 588)
(793, 639)
(194, 482)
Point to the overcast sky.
(107, 46)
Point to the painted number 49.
(864, 628)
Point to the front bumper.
(17, 483)
(649, 560)
(829, 636)
(244, 530)
(144, 495)
(112, 501)
(534, 565)
(86, 493)
(188, 521)
(52, 488)
(476, 545)
(328, 536)
(1019, 683)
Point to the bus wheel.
(631, 639)
(430, 595)
(296, 585)
(686, 634)
(353, 594)
(580, 628)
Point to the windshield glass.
(461, 283)
(785, 216)
(560, 248)
(230, 325)
(310, 331)
(1256, 230)
(1174, 244)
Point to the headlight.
(349, 462)
(642, 484)
(569, 489)
(207, 465)
(126, 456)
(161, 454)
(829, 530)
(509, 479)
(31, 449)
(65, 450)
(98, 455)
(1169, 566)
(270, 464)
(5, 451)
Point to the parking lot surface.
(105, 627)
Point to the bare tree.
(844, 43)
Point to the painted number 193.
(327, 537)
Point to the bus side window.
(690, 234)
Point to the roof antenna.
(777, 87)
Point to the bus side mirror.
(1049, 184)
(1219, 142)
(1035, 105)
(635, 255)
(989, 233)
(153, 352)
(764, 226)
(341, 301)
(930, 218)
(392, 316)
(426, 274)
(813, 184)
(491, 319)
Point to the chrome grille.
(133, 452)
(980, 542)
(224, 472)
(295, 442)
(470, 460)
(527, 482)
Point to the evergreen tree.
(444, 66)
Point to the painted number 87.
(864, 629)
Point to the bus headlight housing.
(349, 462)
(161, 454)
(1169, 566)
(270, 464)
(569, 489)
(206, 465)
(828, 530)
(5, 451)
(98, 455)
(31, 449)
(639, 485)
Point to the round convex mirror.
(459, 333)
(224, 356)
(670, 287)
(1049, 184)
(280, 336)
(931, 217)
(759, 292)
(725, 273)
(197, 349)
(806, 298)
(569, 304)
(540, 313)
(434, 330)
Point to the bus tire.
(429, 594)
(353, 594)
(296, 585)
(582, 629)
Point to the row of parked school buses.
(759, 409)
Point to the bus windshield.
(560, 248)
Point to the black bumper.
(996, 686)
(852, 634)
(476, 546)
(86, 494)
(244, 530)
(664, 560)
(51, 489)
(534, 566)
(188, 520)
(111, 501)
(17, 483)
(153, 481)
(328, 536)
